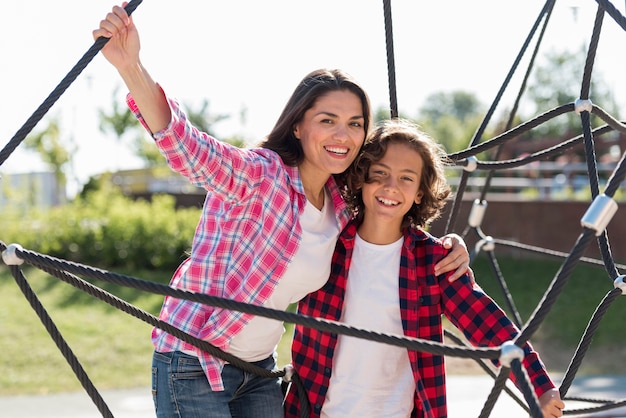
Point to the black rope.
(454, 211)
(483, 365)
(60, 342)
(493, 262)
(43, 108)
(513, 133)
(391, 66)
(555, 288)
(493, 396)
(616, 178)
(520, 92)
(64, 270)
(582, 412)
(585, 342)
(548, 252)
(591, 54)
(123, 306)
(545, 154)
(613, 12)
(305, 407)
(46, 262)
(529, 394)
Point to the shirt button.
(327, 371)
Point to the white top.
(371, 379)
(307, 272)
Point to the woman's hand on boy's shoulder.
(457, 260)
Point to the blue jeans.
(180, 389)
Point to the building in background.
(30, 190)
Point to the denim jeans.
(180, 389)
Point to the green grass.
(563, 327)
(115, 349)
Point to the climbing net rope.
(593, 227)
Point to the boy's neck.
(378, 232)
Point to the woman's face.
(331, 133)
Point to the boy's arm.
(485, 324)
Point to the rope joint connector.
(288, 377)
(620, 284)
(510, 352)
(471, 165)
(9, 256)
(599, 214)
(486, 244)
(477, 213)
(583, 105)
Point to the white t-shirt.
(307, 272)
(371, 379)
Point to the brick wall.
(554, 225)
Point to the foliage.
(106, 229)
(120, 121)
(451, 118)
(48, 144)
(461, 105)
(557, 82)
(202, 119)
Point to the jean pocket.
(187, 366)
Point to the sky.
(248, 55)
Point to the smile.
(337, 150)
(387, 202)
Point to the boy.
(383, 279)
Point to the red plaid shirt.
(424, 297)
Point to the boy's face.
(394, 184)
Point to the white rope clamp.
(477, 213)
(486, 244)
(581, 105)
(599, 214)
(472, 163)
(510, 352)
(620, 284)
(288, 377)
(10, 257)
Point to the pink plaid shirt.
(248, 233)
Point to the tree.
(121, 120)
(557, 82)
(451, 118)
(48, 144)
(462, 105)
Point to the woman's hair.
(315, 84)
(433, 183)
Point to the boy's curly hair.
(433, 183)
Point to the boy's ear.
(418, 197)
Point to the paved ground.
(467, 395)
